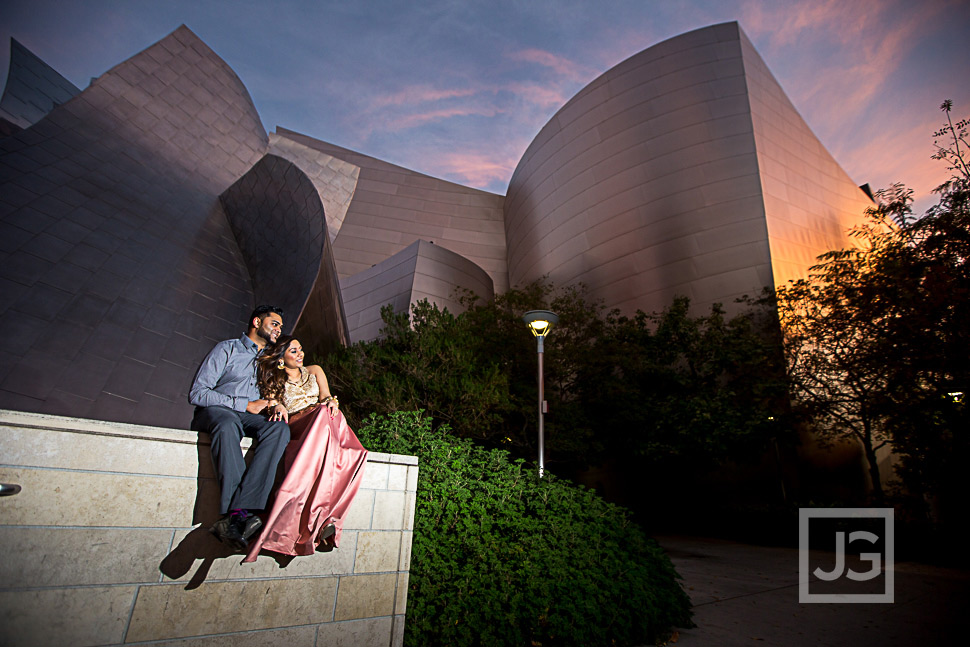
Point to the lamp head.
(540, 322)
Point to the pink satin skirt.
(324, 463)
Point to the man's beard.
(268, 336)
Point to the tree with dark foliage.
(878, 338)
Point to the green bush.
(500, 557)
(671, 391)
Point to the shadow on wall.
(200, 545)
(278, 220)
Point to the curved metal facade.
(660, 178)
(393, 207)
(33, 88)
(143, 218)
(119, 269)
(279, 223)
(420, 271)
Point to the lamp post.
(540, 322)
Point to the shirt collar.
(250, 344)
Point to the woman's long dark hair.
(271, 378)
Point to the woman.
(324, 461)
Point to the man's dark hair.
(265, 310)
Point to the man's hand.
(256, 406)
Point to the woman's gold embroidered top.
(300, 393)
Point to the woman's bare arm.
(325, 396)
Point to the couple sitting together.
(257, 386)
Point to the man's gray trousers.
(242, 487)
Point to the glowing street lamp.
(540, 322)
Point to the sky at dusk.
(458, 89)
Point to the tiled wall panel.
(397, 207)
(278, 219)
(33, 88)
(809, 200)
(663, 159)
(119, 262)
(420, 271)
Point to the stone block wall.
(106, 544)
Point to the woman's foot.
(325, 545)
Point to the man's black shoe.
(229, 530)
(250, 526)
(218, 529)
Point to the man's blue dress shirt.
(227, 376)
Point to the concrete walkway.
(748, 595)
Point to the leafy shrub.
(500, 557)
(671, 390)
(425, 359)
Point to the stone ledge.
(106, 544)
(11, 418)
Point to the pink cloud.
(420, 118)
(905, 157)
(782, 24)
(416, 94)
(841, 65)
(521, 103)
(861, 79)
(478, 169)
(869, 51)
(540, 95)
(420, 105)
(561, 66)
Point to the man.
(227, 407)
